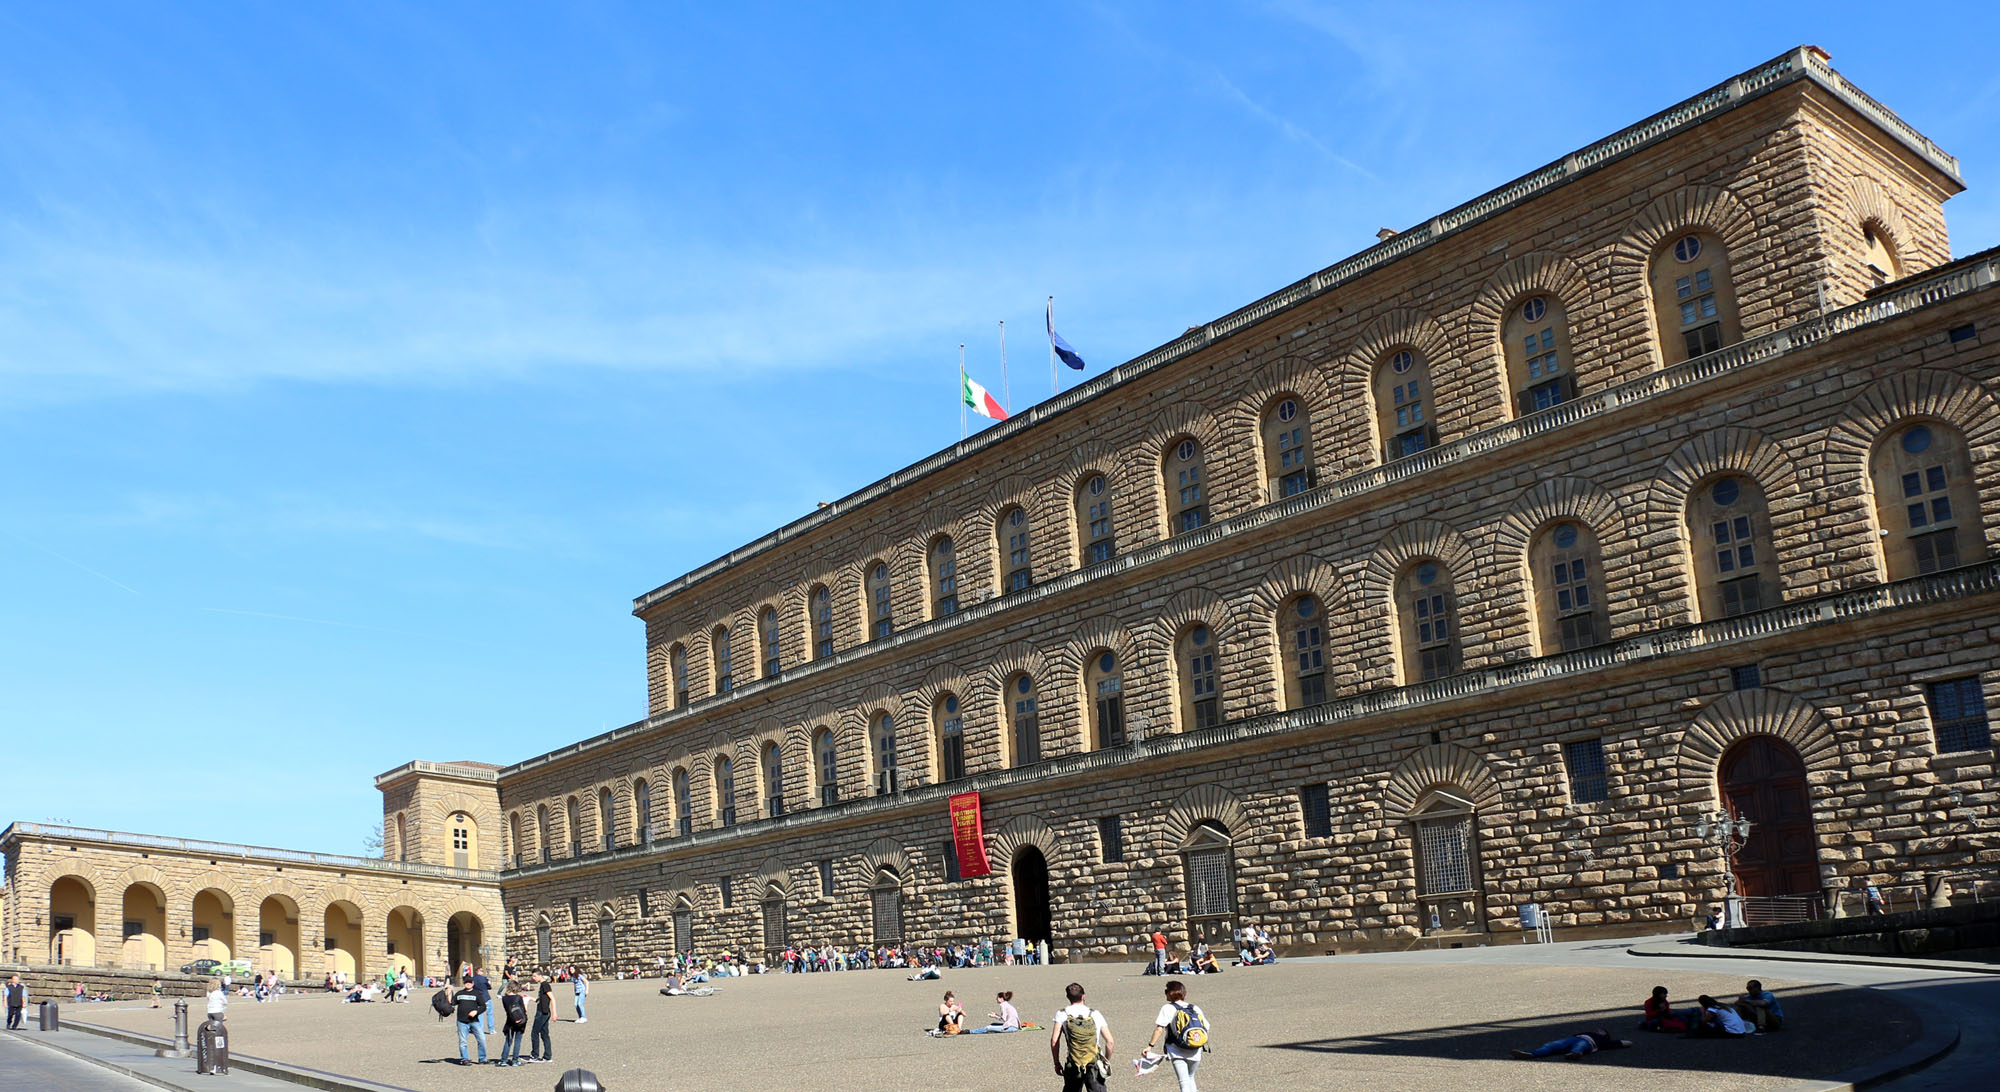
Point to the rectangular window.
(1211, 887)
(826, 878)
(1444, 845)
(1312, 689)
(134, 928)
(1746, 677)
(1936, 551)
(574, 917)
(1436, 663)
(1316, 807)
(1584, 759)
(1579, 631)
(951, 863)
(645, 904)
(728, 892)
(1962, 333)
(1111, 839)
(1740, 596)
(328, 943)
(201, 934)
(265, 940)
(1958, 715)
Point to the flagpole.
(961, 391)
(1055, 384)
(1006, 389)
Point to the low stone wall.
(53, 983)
(1951, 932)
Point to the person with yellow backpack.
(1080, 1044)
(1185, 1029)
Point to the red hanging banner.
(968, 836)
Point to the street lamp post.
(1728, 835)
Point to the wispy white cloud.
(1285, 125)
(68, 560)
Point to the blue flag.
(1063, 348)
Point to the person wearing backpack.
(516, 1024)
(1185, 1030)
(1081, 1045)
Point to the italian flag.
(981, 400)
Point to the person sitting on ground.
(1660, 1014)
(951, 1015)
(1760, 1006)
(928, 974)
(1718, 1021)
(1008, 1018)
(1575, 1046)
(675, 986)
(1205, 961)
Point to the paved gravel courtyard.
(1340, 1024)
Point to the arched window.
(1105, 687)
(573, 813)
(1201, 699)
(1208, 864)
(951, 737)
(767, 638)
(774, 781)
(606, 829)
(642, 811)
(827, 762)
(1187, 496)
(516, 852)
(1013, 535)
(544, 837)
(1403, 403)
(1569, 587)
(1429, 613)
(464, 840)
(1878, 255)
(725, 674)
(1288, 465)
(725, 791)
(1024, 719)
(1729, 528)
(683, 803)
(1539, 367)
(882, 741)
(677, 674)
(1093, 520)
(1304, 625)
(880, 609)
(1694, 301)
(944, 578)
(1925, 501)
(1447, 859)
(822, 622)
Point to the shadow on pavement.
(1828, 1030)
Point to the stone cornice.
(1803, 63)
(1975, 273)
(117, 839)
(1960, 584)
(479, 774)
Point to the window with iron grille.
(1211, 883)
(1111, 838)
(1958, 715)
(1316, 806)
(886, 906)
(201, 934)
(1746, 677)
(1444, 851)
(777, 927)
(683, 931)
(1584, 758)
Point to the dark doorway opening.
(1764, 780)
(1031, 894)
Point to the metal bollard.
(578, 1080)
(180, 1049)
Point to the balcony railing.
(197, 848)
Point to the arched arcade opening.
(72, 922)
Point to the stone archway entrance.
(464, 935)
(1030, 873)
(1764, 780)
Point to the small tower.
(442, 813)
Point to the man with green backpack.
(1080, 1044)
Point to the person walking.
(582, 987)
(1183, 1029)
(539, 1049)
(515, 1025)
(484, 988)
(469, 1007)
(17, 999)
(1080, 1044)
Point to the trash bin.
(211, 1047)
(51, 1016)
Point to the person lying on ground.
(1575, 1046)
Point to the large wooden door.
(1764, 781)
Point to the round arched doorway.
(1764, 780)
(1030, 873)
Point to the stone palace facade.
(1470, 572)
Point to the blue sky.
(359, 363)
